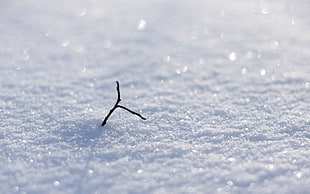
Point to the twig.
(119, 106)
(143, 118)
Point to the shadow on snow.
(80, 133)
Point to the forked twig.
(119, 106)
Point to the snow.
(224, 86)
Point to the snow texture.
(224, 86)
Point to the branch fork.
(119, 106)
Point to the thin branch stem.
(118, 93)
(107, 117)
(119, 106)
(132, 112)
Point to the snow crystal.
(274, 44)
(230, 183)
(263, 72)
(244, 70)
(65, 43)
(141, 25)
(56, 183)
(166, 59)
(298, 174)
(83, 12)
(232, 56)
(90, 172)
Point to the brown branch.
(119, 106)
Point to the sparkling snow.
(224, 85)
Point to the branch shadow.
(80, 133)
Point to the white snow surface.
(224, 86)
